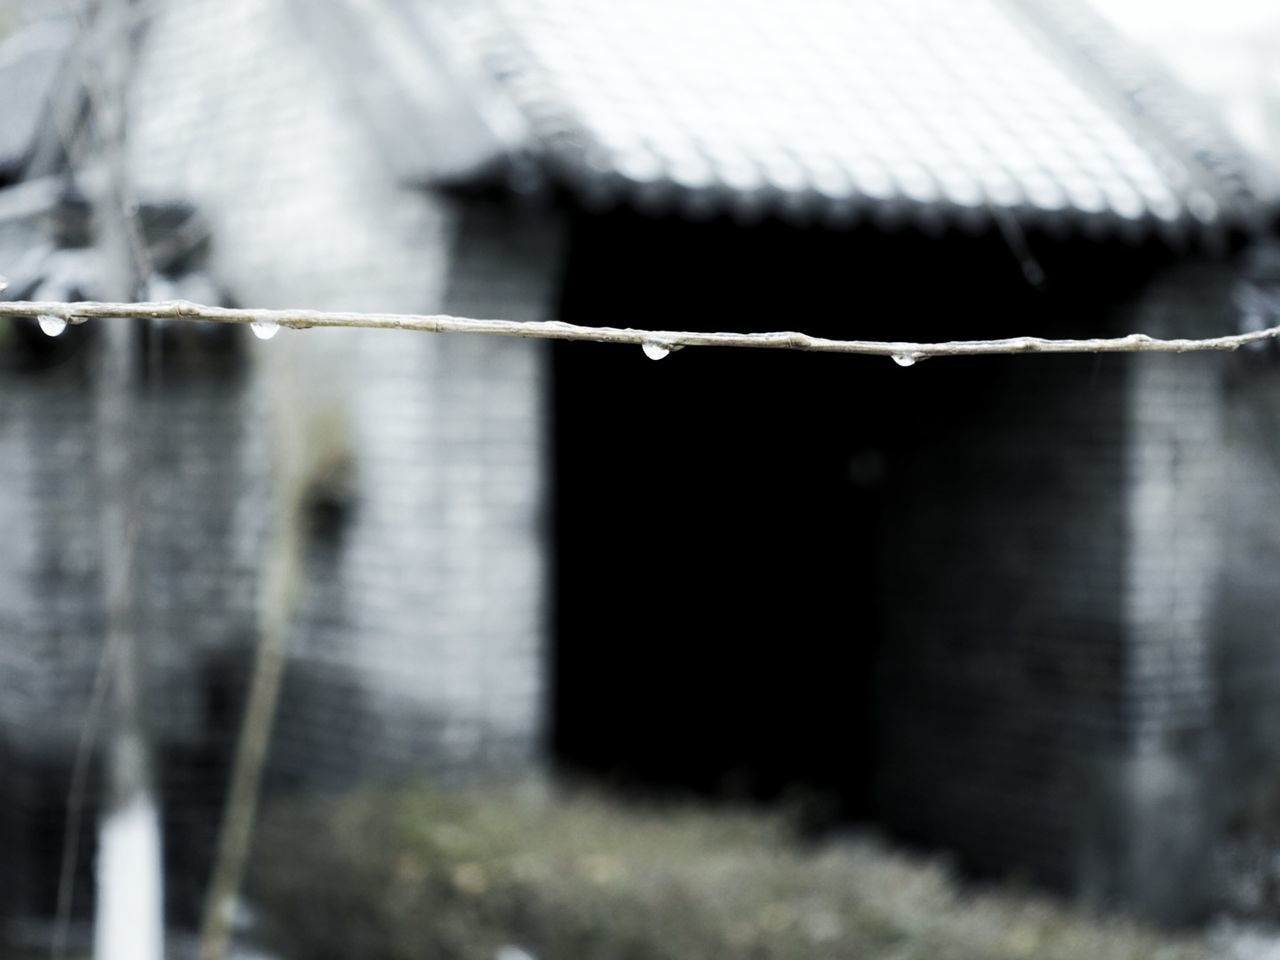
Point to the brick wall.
(417, 644)
(1179, 481)
(1002, 681)
(1080, 677)
(418, 641)
(49, 588)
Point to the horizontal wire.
(660, 341)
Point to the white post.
(129, 921)
(129, 912)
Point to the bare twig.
(903, 351)
(75, 801)
(275, 607)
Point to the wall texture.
(417, 643)
(1003, 674)
(1080, 641)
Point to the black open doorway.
(716, 528)
(716, 525)
(719, 514)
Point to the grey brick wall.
(1247, 654)
(1003, 675)
(49, 585)
(1080, 675)
(417, 646)
(433, 596)
(1179, 480)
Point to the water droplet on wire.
(905, 359)
(655, 350)
(264, 329)
(51, 326)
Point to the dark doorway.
(717, 528)
(716, 525)
(718, 512)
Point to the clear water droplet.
(655, 350)
(264, 329)
(52, 326)
(905, 359)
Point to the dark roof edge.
(1228, 189)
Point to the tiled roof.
(925, 111)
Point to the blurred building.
(1015, 607)
(418, 642)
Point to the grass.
(417, 873)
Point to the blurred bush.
(508, 874)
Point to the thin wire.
(658, 343)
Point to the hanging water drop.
(51, 325)
(655, 350)
(264, 328)
(904, 359)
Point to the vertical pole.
(128, 921)
(129, 913)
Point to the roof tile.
(938, 110)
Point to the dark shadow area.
(719, 521)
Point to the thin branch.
(275, 608)
(75, 800)
(903, 351)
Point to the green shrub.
(419, 873)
